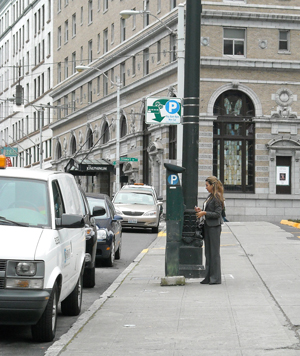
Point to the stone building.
(26, 61)
(248, 98)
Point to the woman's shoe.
(204, 282)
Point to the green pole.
(191, 103)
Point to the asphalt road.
(16, 340)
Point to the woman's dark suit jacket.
(213, 210)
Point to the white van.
(42, 249)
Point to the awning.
(88, 167)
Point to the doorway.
(283, 175)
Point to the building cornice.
(243, 4)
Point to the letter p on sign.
(173, 179)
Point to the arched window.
(123, 127)
(105, 133)
(89, 139)
(58, 151)
(73, 145)
(234, 144)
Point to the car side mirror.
(99, 211)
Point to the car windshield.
(24, 201)
(134, 198)
(97, 202)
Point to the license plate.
(132, 221)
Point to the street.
(16, 340)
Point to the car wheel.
(119, 250)
(111, 259)
(155, 229)
(72, 304)
(44, 330)
(89, 278)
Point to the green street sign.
(9, 151)
(126, 159)
(163, 111)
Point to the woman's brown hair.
(218, 190)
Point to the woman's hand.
(200, 213)
(197, 209)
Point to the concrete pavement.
(255, 311)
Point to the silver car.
(139, 208)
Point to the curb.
(290, 223)
(57, 347)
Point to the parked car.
(150, 188)
(109, 228)
(138, 207)
(90, 241)
(42, 254)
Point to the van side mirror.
(70, 221)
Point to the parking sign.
(163, 111)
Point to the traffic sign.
(163, 111)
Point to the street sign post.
(163, 111)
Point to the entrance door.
(283, 175)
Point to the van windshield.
(24, 201)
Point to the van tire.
(89, 278)
(155, 229)
(44, 330)
(71, 306)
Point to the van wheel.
(72, 304)
(44, 330)
(89, 278)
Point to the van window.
(25, 201)
(58, 201)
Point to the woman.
(212, 215)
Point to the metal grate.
(133, 213)
(2, 281)
(2, 265)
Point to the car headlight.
(89, 233)
(26, 269)
(150, 213)
(101, 234)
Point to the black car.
(91, 241)
(109, 228)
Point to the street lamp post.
(81, 68)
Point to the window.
(81, 15)
(123, 127)
(158, 6)
(105, 83)
(66, 67)
(89, 140)
(146, 61)
(73, 145)
(90, 51)
(146, 14)
(105, 133)
(112, 33)
(73, 62)
(284, 39)
(233, 142)
(66, 31)
(123, 74)
(105, 5)
(98, 43)
(158, 51)
(105, 40)
(73, 100)
(59, 37)
(173, 49)
(98, 85)
(172, 142)
(173, 4)
(81, 54)
(133, 21)
(133, 65)
(58, 5)
(234, 41)
(90, 11)
(58, 72)
(73, 25)
(90, 92)
(123, 30)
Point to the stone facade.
(262, 68)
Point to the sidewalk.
(255, 311)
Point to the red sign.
(8, 162)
